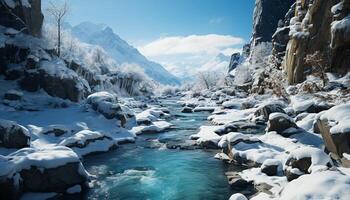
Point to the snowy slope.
(121, 51)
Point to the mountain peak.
(122, 52)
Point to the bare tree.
(319, 61)
(208, 79)
(58, 12)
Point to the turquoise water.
(136, 171)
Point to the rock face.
(13, 135)
(318, 27)
(57, 81)
(20, 15)
(281, 37)
(267, 13)
(235, 61)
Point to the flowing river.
(147, 170)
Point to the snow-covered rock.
(265, 110)
(282, 124)
(53, 169)
(206, 137)
(154, 127)
(106, 104)
(238, 196)
(305, 160)
(13, 135)
(87, 142)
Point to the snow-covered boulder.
(107, 104)
(240, 126)
(282, 124)
(334, 126)
(86, 142)
(53, 169)
(13, 135)
(271, 167)
(264, 111)
(238, 196)
(305, 160)
(154, 127)
(320, 185)
(206, 137)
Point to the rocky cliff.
(318, 26)
(25, 16)
(267, 14)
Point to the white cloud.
(187, 55)
(192, 44)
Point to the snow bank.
(320, 185)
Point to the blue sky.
(182, 35)
(140, 21)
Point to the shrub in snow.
(305, 160)
(13, 135)
(282, 124)
(53, 169)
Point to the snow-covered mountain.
(218, 63)
(121, 51)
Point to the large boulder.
(13, 135)
(54, 169)
(305, 160)
(22, 15)
(282, 124)
(107, 104)
(334, 126)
